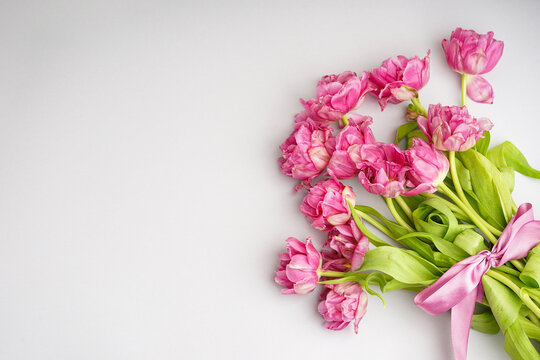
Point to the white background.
(141, 205)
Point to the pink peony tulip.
(337, 95)
(307, 151)
(341, 304)
(451, 128)
(333, 261)
(468, 52)
(298, 270)
(429, 167)
(357, 133)
(398, 79)
(382, 169)
(326, 204)
(349, 242)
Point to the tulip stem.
(331, 273)
(396, 215)
(404, 207)
(455, 178)
(464, 89)
(375, 223)
(416, 102)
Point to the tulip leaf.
(434, 217)
(508, 155)
(485, 322)
(494, 198)
(444, 246)
(374, 239)
(504, 304)
(415, 134)
(470, 241)
(530, 328)
(404, 130)
(517, 343)
(531, 272)
(482, 145)
(403, 265)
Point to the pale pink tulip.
(357, 132)
(399, 79)
(342, 304)
(429, 167)
(307, 151)
(382, 168)
(299, 267)
(479, 90)
(451, 128)
(326, 204)
(337, 95)
(349, 242)
(468, 52)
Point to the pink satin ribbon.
(461, 285)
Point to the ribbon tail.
(461, 319)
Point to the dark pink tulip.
(337, 95)
(357, 133)
(342, 304)
(307, 151)
(326, 204)
(298, 270)
(451, 128)
(429, 167)
(349, 242)
(399, 79)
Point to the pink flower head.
(307, 151)
(357, 133)
(451, 128)
(429, 167)
(299, 267)
(468, 52)
(333, 261)
(341, 304)
(326, 205)
(382, 169)
(349, 242)
(337, 95)
(399, 79)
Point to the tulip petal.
(479, 90)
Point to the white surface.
(141, 205)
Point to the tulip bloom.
(399, 79)
(470, 53)
(326, 205)
(357, 133)
(429, 167)
(451, 128)
(307, 151)
(341, 304)
(382, 169)
(349, 242)
(337, 95)
(298, 270)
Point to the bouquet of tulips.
(456, 238)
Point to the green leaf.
(403, 265)
(504, 304)
(508, 176)
(494, 198)
(485, 323)
(532, 330)
(531, 272)
(517, 343)
(374, 239)
(444, 246)
(508, 155)
(405, 129)
(415, 134)
(434, 217)
(482, 144)
(470, 241)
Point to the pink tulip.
(382, 169)
(349, 242)
(333, 261)
(341, 304)
(299, 267)
(451, 128)
(468, 52)
(337, 95)
(326, 204)
(399, 79)
(307, 151)
(429, 167)
(356, 133)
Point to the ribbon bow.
(461, 285)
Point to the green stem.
(404, 207)
(396, 215)
(345, 120)
(455, 178)
(419, 106)
(464, 89)
(506, 280)
(376, 224)
(470, 212)
(331, 273)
